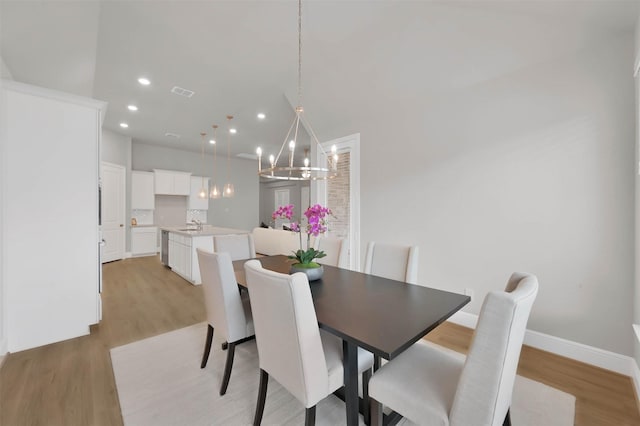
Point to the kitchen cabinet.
(50, 173)
(195, 202)
(169, 182)
(144, 241)
(142, 191)
(183, 255)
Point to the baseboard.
(635, 378)
(577, 351)
(127, 254)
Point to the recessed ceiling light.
(132, 107)
(261, 116)
(233, 131)
(212, 142)
(124, 125)
(144, 81)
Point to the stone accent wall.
(338, 196)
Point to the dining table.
(381, 315)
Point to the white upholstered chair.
(336, 250)
(239, 246)
(291, 348)
(431, 386)
(227, 311)
(392, 261)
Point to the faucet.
(198, 224)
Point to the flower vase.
(312, 273)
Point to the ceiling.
(240, 58)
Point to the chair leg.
(376, 412)
(227, 368)
(262, 396)
(365, 397)
(207, 346)
(507, 419)
(224, 346)
(310, 416)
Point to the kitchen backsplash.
(142, 217)
(171, 210)
(200, 215)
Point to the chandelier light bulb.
(215, 193)
(259, 153)
(212, 142)
(306, 162)
(203, 193)
(292, 145)
(272, 159)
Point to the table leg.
(350, 361)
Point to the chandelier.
(304, 171)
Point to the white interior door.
(112, 210)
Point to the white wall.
(3, 180)
(636, 297)
(4, 74)
(4, 70)
(240, 212)
(116, 148)
(527, 168)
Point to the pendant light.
(215, 193)
(228, 190)
(203, 190)
(304, 171)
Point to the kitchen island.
(182, 245)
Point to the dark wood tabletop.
(378, 314)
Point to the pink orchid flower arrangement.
(316, 225)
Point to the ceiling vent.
(247, 156)
(172, 135)
(182, 92)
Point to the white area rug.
(160, 382)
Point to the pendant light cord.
(202, 159)
(229, 118)
(299, 52)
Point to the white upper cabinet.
(195, 202)
(168, 182)
(142, 193)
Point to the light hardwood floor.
(71, 383)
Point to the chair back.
(239, 246)
(221, 297)
(485, 387)
(287, 333)
(392, 261)
(336, 250)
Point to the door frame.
(349, 143)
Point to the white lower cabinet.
(183, 257)
(144, 241)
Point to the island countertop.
(207, 230)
